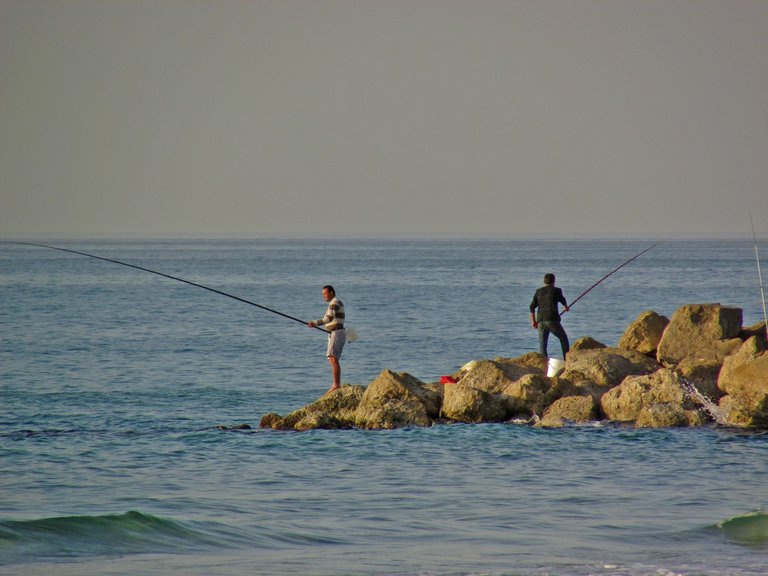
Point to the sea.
(122, 395)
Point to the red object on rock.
(447, 380)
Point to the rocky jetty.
(699, 366)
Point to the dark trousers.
(553, 326)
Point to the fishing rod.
(214, 290)
(759, 276)
(636, 256)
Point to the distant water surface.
(112, 383)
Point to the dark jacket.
(546, 299)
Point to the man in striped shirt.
(333, 323)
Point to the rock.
(734, 413)
(224, 427)
(641, 398)
(744, 378)
(528, 395)
(698, 330)
(270, 420)
(315, 420)
(755, 330)
(587, 343)
(701, 346)
(661, 415)
(644, 334)
(533, 360)
(698, 417)
(463, 403)
(495, 375)
(607, 367)
(335, 410)
(570, 409)
(395, 401)
(576, 384)
(703, 375)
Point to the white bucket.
(554, 367)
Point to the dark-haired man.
(333, 323)
(545, 315)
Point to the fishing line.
(759, 276)
(214, 290)
(636, 256)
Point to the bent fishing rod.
(759, 276)
(635, 257)
(214, 290)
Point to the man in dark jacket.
(547, 318)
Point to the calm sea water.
(113, 382)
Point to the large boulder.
(667, 415)
(702, 374)
(702, 331)
(495, 375)
(655, 399)
(395, 401)
(464, 403)
(533, 360)
(570, 409)
(607, 367)
(335, 410)
(744, 378)
(529, 395)
(755, 330)
(644, 334)
(587, 343)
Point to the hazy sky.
(186, 117)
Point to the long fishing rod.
(214, 290)
(759, 276)
(636, 256)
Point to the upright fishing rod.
(214, 290)
(636, 256)
(759, 276)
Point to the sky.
(383, 117)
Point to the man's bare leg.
(336, 372)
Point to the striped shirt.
(334, 316)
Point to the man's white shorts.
(336, 340)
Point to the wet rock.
(270, 420)
(315, 420)
(224, 427)
(701, 331)
(397, 400)
(661, 415)
(651, 399)
(570, 409)
(644, 334)
(464, 403)
(529, 395)
(334, 410)
(703, 375)
(744, 378)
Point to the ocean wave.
(749, 529)
(130, 532)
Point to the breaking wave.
(131, 532)
(749, 529)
